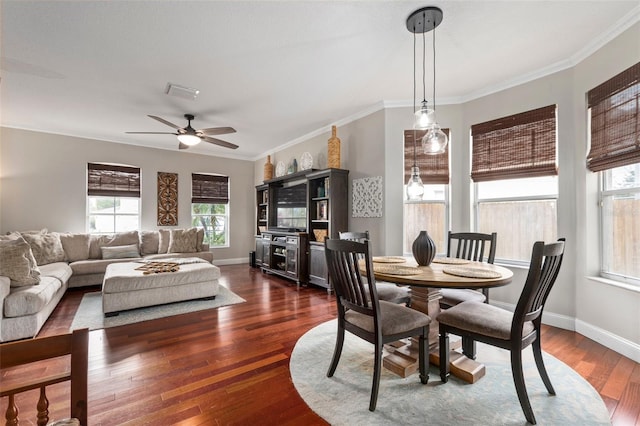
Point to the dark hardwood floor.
(231, 365)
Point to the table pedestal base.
(402, 357)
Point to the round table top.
(434, 276)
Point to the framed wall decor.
(367, 197)
(167, 199)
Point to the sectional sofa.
(37, 267)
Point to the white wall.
(44, 184)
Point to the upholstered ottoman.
(126, 287)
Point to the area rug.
(344, 398)
(90, 314)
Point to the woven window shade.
(113, 181)
(615, 121)
(518, 146)
(209, 189)
(434, 169)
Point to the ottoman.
(124, 287)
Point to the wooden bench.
(25, 352)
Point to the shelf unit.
(328, 192)
(262, 208)
(288, 252)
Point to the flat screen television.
(291, 207)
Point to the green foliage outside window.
(213, 219)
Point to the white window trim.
(227, 228)
(113, 215)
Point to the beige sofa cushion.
(204, 255)
(31, 299)
(47, 248)
(120, 252)
(59, 270)
(183, 241)
(18, 263)
(149, 242)
(75, 246)
(163, 241)
(199, 239)
(95, 266)
(119, 239)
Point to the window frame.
(114, 215)
(203, 193)
(476, 213)
(602, 194)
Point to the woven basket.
(320, 235)
(333, 156)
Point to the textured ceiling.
(274, 70)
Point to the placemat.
(450, 260)
(158, 267)
(388, 259)
(395, 269)
(471, 272)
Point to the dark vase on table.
(424, 249)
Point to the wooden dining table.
(425, 283)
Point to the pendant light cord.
(424, 58)
(434, 67)
(414, 94)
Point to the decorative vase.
(333, 150)
(424, 249)
(268, 169)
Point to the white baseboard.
(616, 343)
(236, 261)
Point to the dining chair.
(33, 352)
(389, 292)
(361, 313)
(512, 331)
(474, 246)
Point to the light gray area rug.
(344, 398)
(90, 314)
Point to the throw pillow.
(183, 240)
(163, 240)
(149, 241)
(18, 263)
(112, 240)
(75, 246)
(199, 239)
(120, 252)
(46, 248)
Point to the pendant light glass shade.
(435, 140)
(415, 189)
(424, 117)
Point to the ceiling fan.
(188, 136)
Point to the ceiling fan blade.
(217, 130)
(162, 120)
(151, 133)
(183, 146)
(219, 142)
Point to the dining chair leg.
(336, 352)
(444, 355)
(469, 347)
(537, 354)
(423, 356)
(521, 389)
(377, 370)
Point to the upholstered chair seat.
(395, 319)
(393, 293)
(453, 296)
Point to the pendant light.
(422, 21)
(415, 188)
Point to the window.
(113, 198)
(430, 213)
(516, 187)
(614, 108)
(210, 207)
